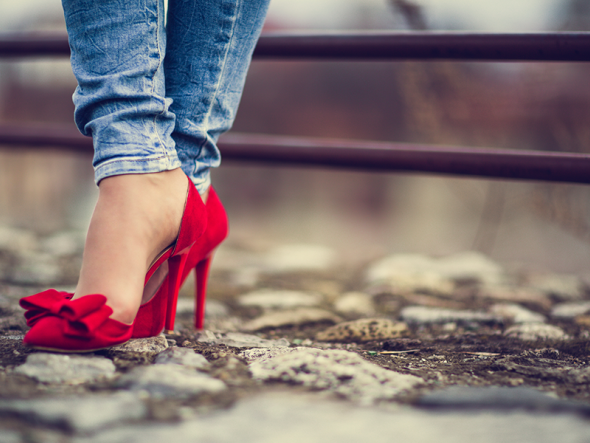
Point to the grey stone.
(579, 376)
(291, 418)
(409, 273)
(535, 331)
(12, 337)
(213, 308)
(471, 265)
(516, 313)
(230, 259)
(366, 329)
(341, 372)
(563, 287)
(423, 314)
(69, 369)
(299, 257)
(170, 381)
(216, 309)
(263, 354)
(182, 356)
(149, 345)
(515, 294)
(207, 336)
(34, 268)
(413, 272)
(570, 310)
(10, 437)
(185, 305)
(78, 414)
(501, 398)
(63, 243)
(355, 303)
(297, 316)
(240, 340)
(279, 299)
(245, 276)
(17, 240)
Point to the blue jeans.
(156, 96)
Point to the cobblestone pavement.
(300, 347)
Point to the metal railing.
(478, 162)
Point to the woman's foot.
(137, 216)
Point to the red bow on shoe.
(42, 304)
(83, 315)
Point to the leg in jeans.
(118, 50)
(210, 44)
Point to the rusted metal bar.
(555, 46)
(44, 136)
(28, 45)
(384, 156)
(428, 46)
(348, 154)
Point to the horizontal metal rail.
(555, 46)
(348, 154)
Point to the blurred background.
(540, 106)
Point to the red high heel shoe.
(84, 325)
(150, 320)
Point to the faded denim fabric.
(156, 97)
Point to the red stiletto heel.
(201, 277)
(84, 325)
(176, 268)
(160, 309)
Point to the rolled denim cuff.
(136, 165)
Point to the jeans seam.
(222, 71)
(160, 58)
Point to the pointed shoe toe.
(82, 325)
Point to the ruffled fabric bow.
(82, 316)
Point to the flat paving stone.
(63, 243)
(14, 239)
(291, 418)
(409, 273)
(240, 340)
(415, 272)
(500, 398)
(10, 437)
(366, 329)
(149, 345)
(169, 381)
(424, 314)
(535, 331)
(213, 308)
(34, 268)
(298, 316)
(516, 313)
(570, 310)
(68, 369)
(562, 287)
(343, 373)
(352, 303)
(181, 356)
(515, 294)
(279, 299)
(78, 414)
(263, 354)
(300, 257)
